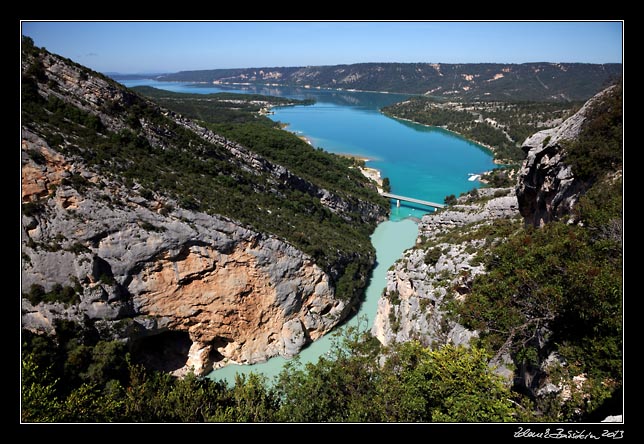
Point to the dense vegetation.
(556, 289)
(599, 147)
(227, 108)
(555, 294)
(469, 81)
(503, 126)
(78, 378)
(263, 135)
(559, 288)
(204, 176)
(58, 293)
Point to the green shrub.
(450, 200)
(432, 256)
(33, 208)
(58, 293)
(545, 141)
(599, 147)
(386, 185)
(78, 248)
(147, 226)
(393, 296)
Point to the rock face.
(93, 94)
(208, 288)
(450, 251)
(435, 271)
(239, 294)
(547, 188)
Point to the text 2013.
(567, 434)
(613, 434)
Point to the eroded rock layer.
(251, 296)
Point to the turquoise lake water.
(421, 162)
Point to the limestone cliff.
(424, 288)
(440, 268)
(547, 187)
(445, 260)
(239, 294)
(148, 266)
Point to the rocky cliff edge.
(547, 187)
(240, 295)
(141, 268)
(439, 268)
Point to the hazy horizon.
(168, 47)
(348, 64)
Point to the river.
(421, 162)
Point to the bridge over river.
(412, 200)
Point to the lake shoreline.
(420, 163)
(372, 174)
(279, 85)
(390, 239)
(490, 148)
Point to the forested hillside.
(502, 126)
(468, 81)
(533, 278)
(143, 226)
(241, 117)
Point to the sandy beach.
(369, 173)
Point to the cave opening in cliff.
(166, 351)
(217, 344)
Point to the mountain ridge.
(548, 306)
(541, 81)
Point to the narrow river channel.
(421, 162)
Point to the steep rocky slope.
(444, 261)
(535, 277)
(547, 187)
(252, 294)
(441, 268)
(146, 226)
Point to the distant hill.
(118, 76)
(471, 81)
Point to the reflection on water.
(420, 127)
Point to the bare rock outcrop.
(146, 267)
(547, 187)
(435, 271)
(241, 295)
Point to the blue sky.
(146, 47)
